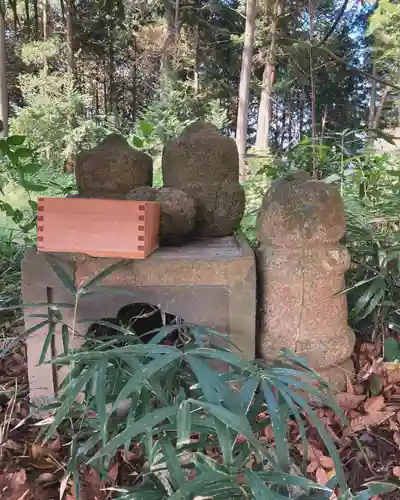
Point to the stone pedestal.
(301, 269)
(207, 282)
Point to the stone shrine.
(301, 267)
(204, 273)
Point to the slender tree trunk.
(283, 126)
(264, 112)
(372, 107)
(301, 117)
(36, 16)
(379, 109)
(290, 119)
(245, 77)
(69, 11)
(45, 21)
(313, 97)
(111, 71)
(28, 16)
(3, 74)
(169, 39)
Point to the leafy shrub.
(172, 406)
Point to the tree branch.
(334, 25)
(384, 82)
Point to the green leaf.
(103, 274)
(278, 426)
(225, 441)
(376, 488)
(31, 168)
(33, 205)
(31, 186)
(100, 395)
(236, 422)
(247, 392)
(283, 479)
(146, 128)
(23, 153)
(148, 371)
(137, 141)
(141, 426)
(65, 338)
(72, 389)
(183, 424)
(176, 475)
(363, 301)
(16, 140)
(67, 279)
(198, 484)
(213, 389)
(391, 349)
(17, 216)
(4, 146)
(259, 489)
(330, 446)
(47, 343)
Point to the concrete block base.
(209, 282)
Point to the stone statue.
(205, 164)
(301, 267)
(112, 169)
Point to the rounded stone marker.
(178, 212)
(113, 167)
(302, 270)
(205, 164)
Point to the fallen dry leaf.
(348, 401)
(326, 462)
(377, 403)
(369, 420)
(321, 476)
(312, 466)
(396, 471)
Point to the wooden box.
(98, 227)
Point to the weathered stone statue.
(112, 169)
(301, 267)
(178, 212)
(205, 164)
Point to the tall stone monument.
(205, 164)
(301, 268)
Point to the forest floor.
(369, 445)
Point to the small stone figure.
(205, 164)
(178, 212)
(301, 267)
(112, 169)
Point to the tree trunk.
(3, 74)
(36, 16)
(313, 97)
(169, 39)
(379, 109)
(290, 118)
(111, 71)
(69, 14)
(372, 107)
(45, 21)
(264, 112)
(244, 86)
